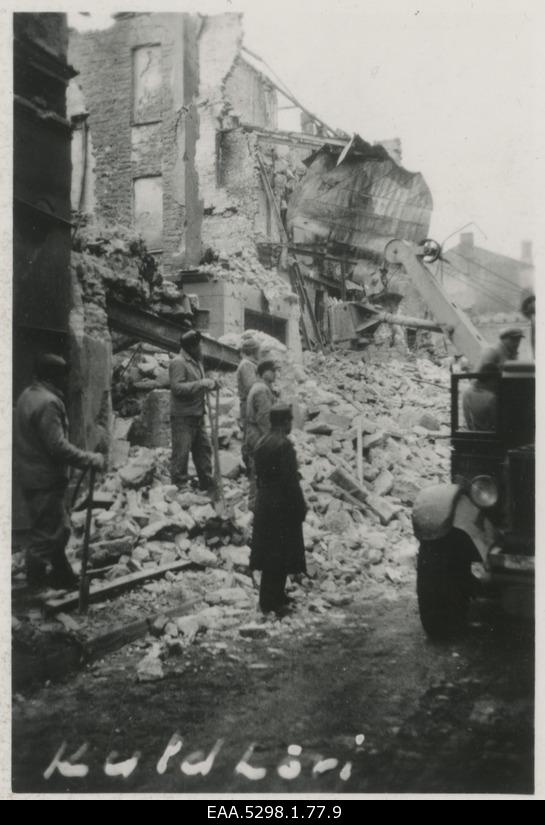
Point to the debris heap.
(359, 544)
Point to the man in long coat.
(278, 548)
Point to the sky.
(457, 82)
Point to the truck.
(476, 534)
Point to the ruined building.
(176, 135)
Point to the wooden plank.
(29, 669)
(120, 585)
(125, 634)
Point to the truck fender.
(433, 511)
(474, 522)
(438, 510)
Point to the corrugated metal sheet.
(358, 198)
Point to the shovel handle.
(84, 584)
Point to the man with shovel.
(43, 455)
(188, 387)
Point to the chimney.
(466, 241)
(526, 252)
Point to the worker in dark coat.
(188, 387)
(42, 458)
(278, 548)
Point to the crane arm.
(456, 323)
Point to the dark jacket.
(187, 396)
(280, 507)
(42, 452)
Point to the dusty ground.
(454, 718)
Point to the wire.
(465, 226)
(482, 266)
(463, 279)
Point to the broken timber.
(356, 495)
(165, 334)
(120, 585)
(81, 652)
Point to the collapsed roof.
(356, 198)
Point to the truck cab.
(484, 520)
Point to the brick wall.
(125, 150)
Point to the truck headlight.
(483, 491)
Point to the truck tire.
(443, 585)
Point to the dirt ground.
(362, 686)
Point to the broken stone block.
(171, 629)
(384, 483)
(341, 422)
(236, 556)
(200, 555)
(227, 595)
(182, 543)
(119, 454)
(117, 571)
(374, 556)
(149, 669)
(373, 440)
(202, 514)
(209, 617)
(138, 472)
(318, 427)
(158, 626)
(429, 422)
(165, 529)
(152, 427)
(337, 599)
(230, 465)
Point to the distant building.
(483, 281)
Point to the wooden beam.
(120, 585)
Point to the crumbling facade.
(180, 130)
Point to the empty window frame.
(147, 83)
(148, 210)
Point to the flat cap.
(190, 338)
(249, 345)
(268, 364)
(512, 332)
(48, 364)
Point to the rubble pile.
(245, 267)
(359, 544)
(113, 261)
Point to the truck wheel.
(443, 577)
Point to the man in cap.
(246, 377)
(278, 548)
(258, 406)
(480, 400)
(42, 457)
(188, 387)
